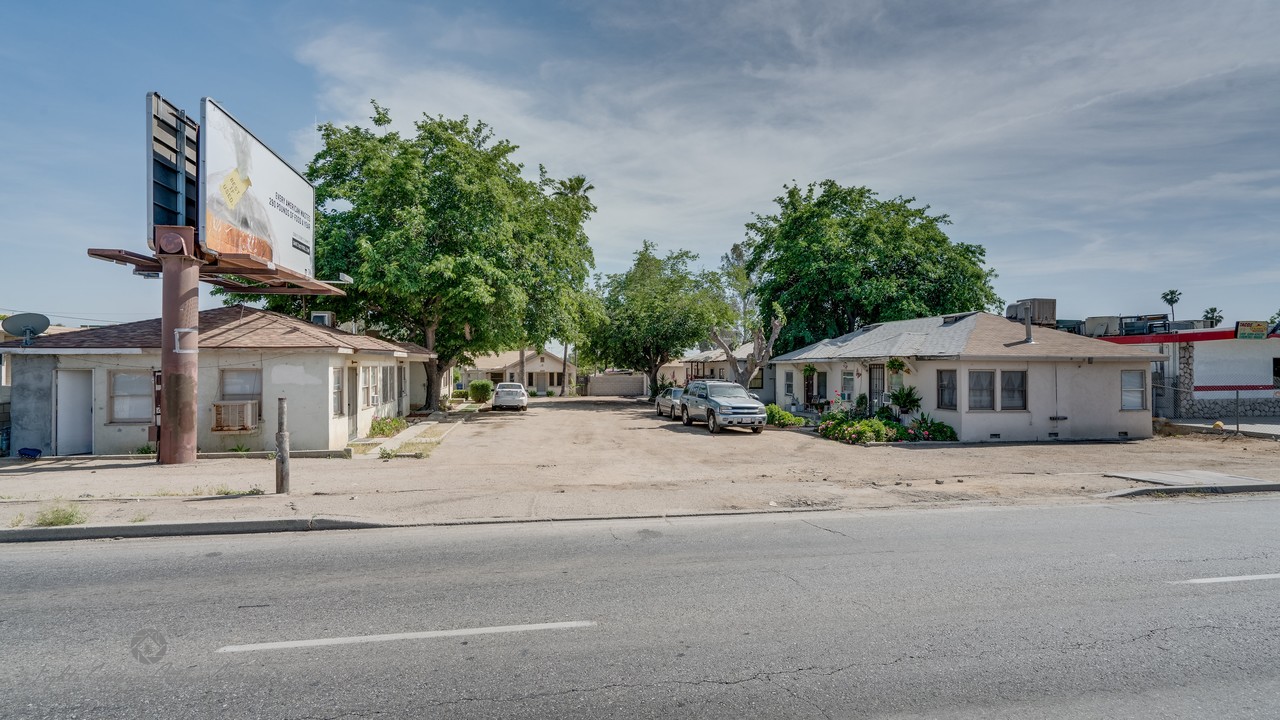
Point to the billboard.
(1251, 330)
(173, 139)
(252, 201)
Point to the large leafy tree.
(654, 311)
(835, 258)
(447, 242)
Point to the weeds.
(386, 427)
(226, 491)
(240, 448)
(139, 517)
(59, 514)
(17, 520)
(144, 450)
(417, 448)
(386, 454)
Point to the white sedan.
(510, 395)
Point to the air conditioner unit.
(323, 317)
(886, 399)
(235, 415)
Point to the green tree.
(1171, 298)
(740, 286)
(835, 258)
(1213, 316)
(1275, 318)
(440, 232)
(653, 311)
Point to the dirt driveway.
(594, 457)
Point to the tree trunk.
(564, 372)
(524, 377)
(433, 366)
(653, 380)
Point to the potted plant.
(897, 365)
(906, 399)
(809, 370)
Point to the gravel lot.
(592, 457)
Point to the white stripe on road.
(406, 636)
(1234, 578)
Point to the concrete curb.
(141, 530)
(1201, 489)
(343, 454)
(273, 525)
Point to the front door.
(353, 403)
(74, 422)
(542, 383)
(875, 382)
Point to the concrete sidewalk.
(1259, 427)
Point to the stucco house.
(544, 371)
(92, 391)
(978, 373)
(713, 364)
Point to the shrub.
(926, 428)
(144, 450)
(885, 413)
(386, 427)
(550, 393)
(778, 417)
(480, 390)
(837, 426)
(463, 394)
(240, 448)
(906, 398)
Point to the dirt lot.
(591, 457)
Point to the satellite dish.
(27, 325)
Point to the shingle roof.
(972, 335)
(742, 352)
(238, 327)
(503, 360)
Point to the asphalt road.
(1027, 612)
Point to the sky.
(1101, 152)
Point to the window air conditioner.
(235, 415)
(323, 317)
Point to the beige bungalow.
(978, 373)
(544, 371)
(92, 391)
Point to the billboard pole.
(179, 353)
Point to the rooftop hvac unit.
(1044, 311)
(235, 416)
(323, 317)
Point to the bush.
(926, 428)
(884, 413)
(550, 393)
(480, 390)
(144, 450)
(906, 398)
(386, 427)
(462, 394)
(837, 426)
(778, 417)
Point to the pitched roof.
(238, 327)
(742, 352)
(970, 335)
(503, 360)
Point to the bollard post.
(282, 451)
(1237, 412)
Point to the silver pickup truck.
(721, 404)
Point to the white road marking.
(1235, 578)
(406, 636)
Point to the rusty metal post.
(179, 342)
(282, 450)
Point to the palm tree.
(1213, 316)
(575, 187)
(1171, 298)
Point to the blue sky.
(1102, 152)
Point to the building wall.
(31, 402)
(303, 378)
(1087, 395)
(1222, 371)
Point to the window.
(242, 384)
(369, 380)
(1013, 390)
(388, 385)
(789, 383)
(757, 381)
(946, 389)
(337, 392)
(822, 385)
(530, 383)
(559, 379)
(1133, 389)
(511, 377)
(132, 399)
(720, 373)
(982, 390)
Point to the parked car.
(668, 402)
(510, 395)
(721, 404)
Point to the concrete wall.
(31, 402)
(617, 384)
(1220, 371)
(1087, 395)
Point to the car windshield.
(727, 391)
(677, 392)
(510, 386)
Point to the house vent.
(235, 416)
(995, 436)
(323, 317)
(1124, 434)
(1053, 435)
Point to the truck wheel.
(712, 424)
(684, 416)
(757, 430)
